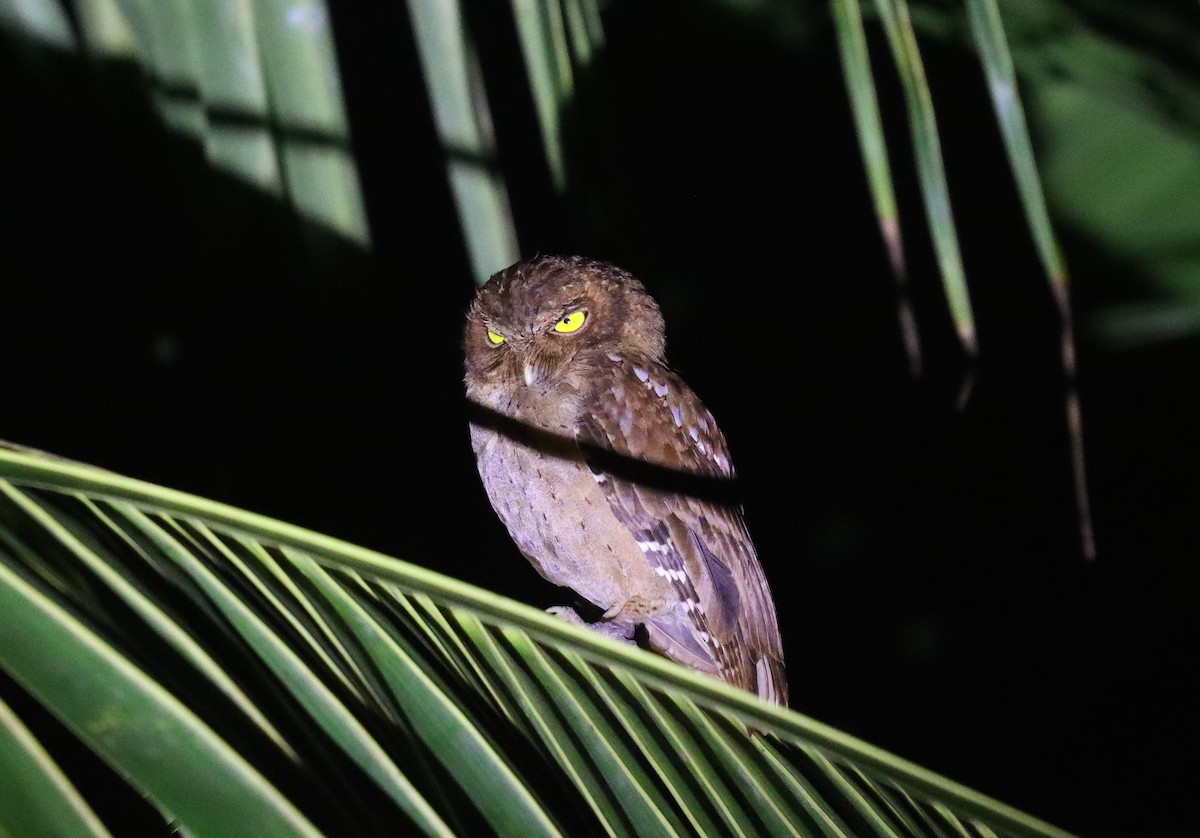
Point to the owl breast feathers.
(610, 475)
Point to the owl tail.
(673, 635)
(771, 681)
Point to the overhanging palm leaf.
(251, 677)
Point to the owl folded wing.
(664, 468)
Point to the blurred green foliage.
(1113, 100)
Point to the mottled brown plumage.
(610, 475)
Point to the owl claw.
(632, 609)
(567, 613)
(613, 612)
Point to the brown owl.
(610, 475)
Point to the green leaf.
(463, 708)
(441, 723)
(130, 719)
(930, 170)
(860, 84)
(38, 798)
(460, 111)
(321, 702)
(543, 37)
(988, 31)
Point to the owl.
(608, 472)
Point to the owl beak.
(539, 366)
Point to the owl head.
(543, 317)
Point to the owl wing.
(664, 468)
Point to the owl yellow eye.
(570, 322)
(495, 338)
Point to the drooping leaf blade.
(931, 172)
(988, 31)
(864, 105)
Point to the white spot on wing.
(694, 434)
(626, 423)
(655, 547)
(677, 416)
(614, 357)
(641, 374)
(660, 390)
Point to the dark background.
(162, 319)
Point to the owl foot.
(633, 609)
(566, 612)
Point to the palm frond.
(179, 638)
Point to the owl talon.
(567, 613)
(613, 612)
(633, 609)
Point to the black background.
(163, 319)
